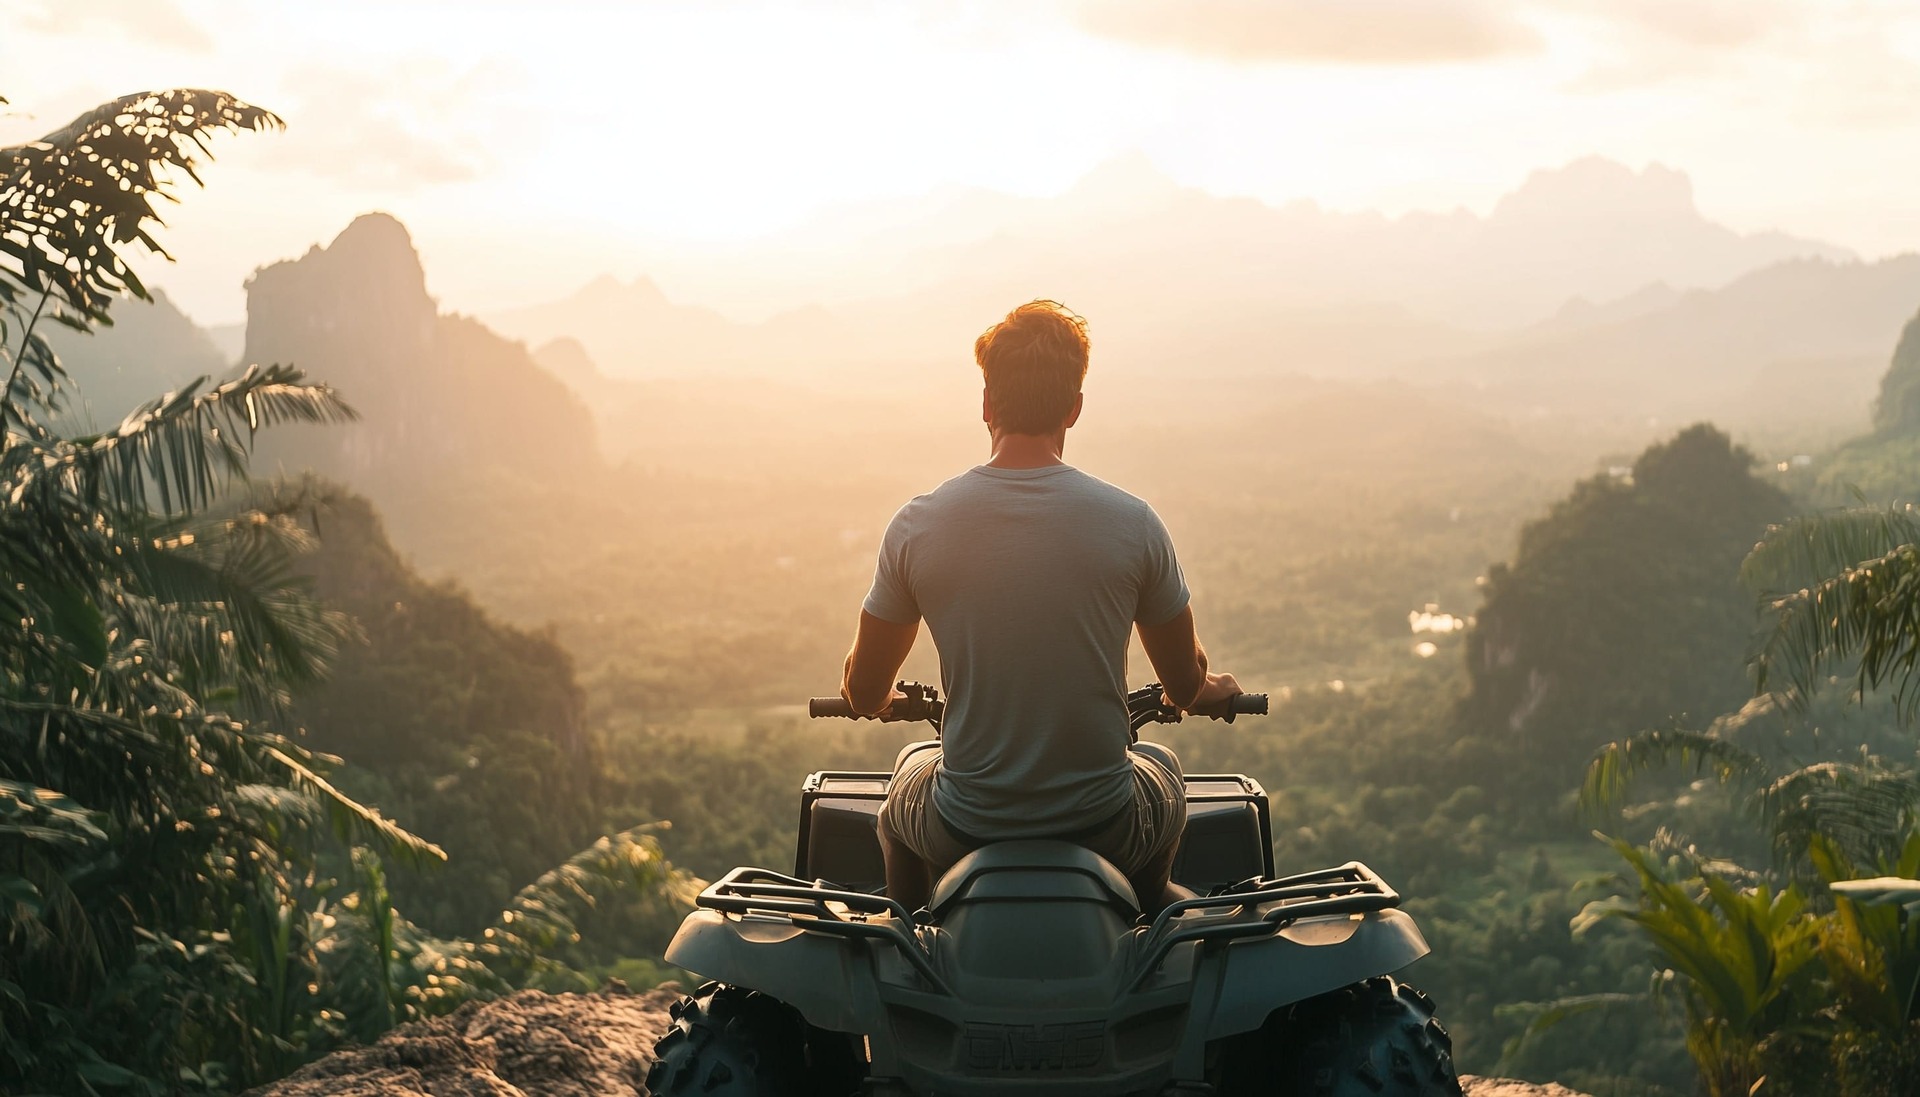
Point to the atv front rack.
(1353, 888)
(1254, 908)
(762, 891)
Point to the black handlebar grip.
(831, 706)
(1252, 704)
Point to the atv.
(1035, 969)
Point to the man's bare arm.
(879, 649)
(1177, 657)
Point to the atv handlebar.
(1146, 705)
(920, 703)
(1240, 704)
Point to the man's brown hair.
(1034, 362)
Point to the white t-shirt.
(1030, 581)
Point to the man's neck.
(1028, 451)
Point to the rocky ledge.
(532, 1044)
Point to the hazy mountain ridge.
(1591, 218)
(1177, 282)
(1805, 341)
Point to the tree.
(1841, 588)
(1566, 653)
(156, 838)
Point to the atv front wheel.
(1373, 1039)
(729, 1041)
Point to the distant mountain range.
(1618, 298)
(1172, 279)
(1806, 339)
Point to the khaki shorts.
(1139, 836)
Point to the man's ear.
(1079, 401)
(986, 407)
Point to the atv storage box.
(1229, 835)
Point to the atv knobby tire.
(1373, 1039)
(729, 1041)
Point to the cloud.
(157, 22)
(1646, 42)
(407, 125)
(1698, 24)
(1354, 32)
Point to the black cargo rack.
(1352, 888)
(746, 891)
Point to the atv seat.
(1035, 869)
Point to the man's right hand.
(885, 714)
(1219, 689)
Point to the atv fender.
(1307, 959)
(811, 972)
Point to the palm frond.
(221, 601)
(543, 916)
(1611, 772)
(352, 820)
(35, 377)
(43, 815)
(177, 452)
(79, 195)
(1811, 548)
(1861, 808)
(1869, 610)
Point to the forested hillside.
(1883, 464)
(469, 729)
(1622, 608)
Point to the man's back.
(1030, 580)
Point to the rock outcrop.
(1507, 1087)
(439, 396)
(531, 1043)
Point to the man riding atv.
(1027, 941)
(1031, 575)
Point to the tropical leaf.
(1840, 587)
(81, 194)
(542, 915)
(1871, 944)
(221, 601)
(180, 450)
(1611, 772)
(1861, 808)
(1810, 548)
(352, 820)
(1882, 891)
(43, 815)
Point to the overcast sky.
(531, 145)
